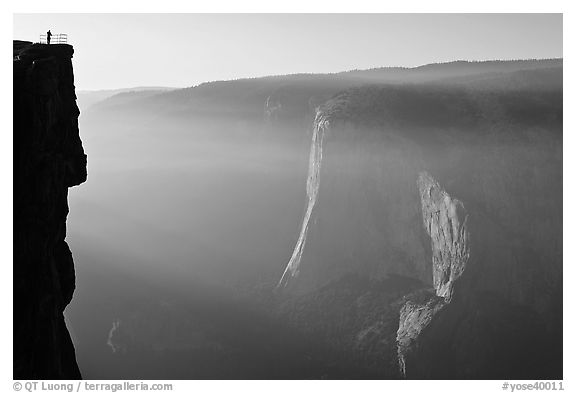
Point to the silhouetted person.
(48, 35)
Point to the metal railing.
(54, 39)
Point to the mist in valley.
(178, 217)
(195, 201)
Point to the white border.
(165, 6)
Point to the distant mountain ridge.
(87, 98)
(254, 91)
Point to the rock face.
(415, 316)
(438, 331)
(445, 222)
(459, 188)
(358, 223)
(321, 125)
(48, 159)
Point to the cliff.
(445, 222)
(48, 159)
(459, 188)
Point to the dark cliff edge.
(48, 159)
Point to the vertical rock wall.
(457, 329)
(445, 222)
(321, 125)
(48, 159)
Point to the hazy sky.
(127, 50)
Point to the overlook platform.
(26, 51)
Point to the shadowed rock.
(48, 159)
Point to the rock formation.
(48, 159)
(440, 329)
(321, 125)
(394, 160)
(445, 222)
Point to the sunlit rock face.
(48, 159)
(439, 330)
(444, 219)
(445, 222)
(365, 209)
(460, 188)
(321, 126)
(415, 316)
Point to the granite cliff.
(48, 159)
(458, 187)
(445, 221)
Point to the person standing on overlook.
(48, 36)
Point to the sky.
(181, 50)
